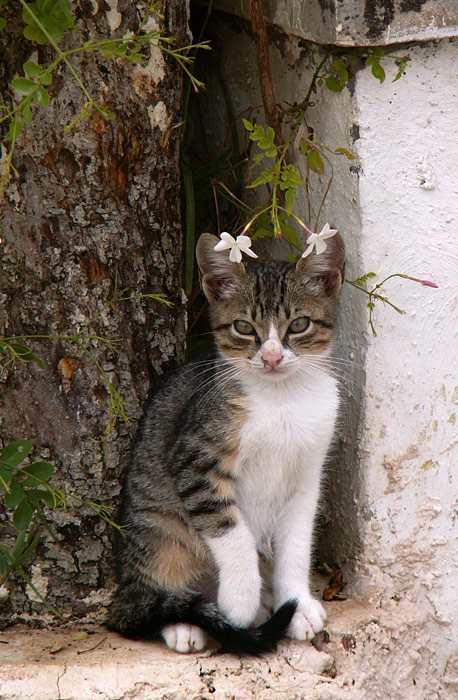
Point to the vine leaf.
(55, 17)
(315, 162)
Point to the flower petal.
(308, 250)
(324, 230)
(312, 238)
(223, 245)
(249, 252)
(320, 246)
(243, 242)
(235, 255)
(227, 241)
(328, 234)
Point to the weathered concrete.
(371, 654)
(357, 22)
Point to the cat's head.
(267, 316)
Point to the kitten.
(225, 470)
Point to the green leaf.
(38, 471)
(26, 552)
(338, 65)
(23, 85)
(304, 147)
(334, 84)
(270, 134)
(19, 545)
(15, 496)
(54, 16)
(345, 152)
(262, 232)
(315, 162)
(24, 353)
(23, 515)
(5, 476)
(257, 133)
(41, 96)
(378, 71)
(271, 152)
(45, 78)
(262, 179)
(121, 50)
(2, 23)
(14, 129)
(290, 196)
(27, 116)
(16, 452)
(37, 495)
(32, 69)
(248, 125)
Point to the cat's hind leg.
(186, 639)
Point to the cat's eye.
(244, 328)
(299, 325)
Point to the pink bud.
(425, 283)
(280, 235)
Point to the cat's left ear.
(328, 266)
(219, 276)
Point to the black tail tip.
(263, 639)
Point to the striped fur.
(192, 501)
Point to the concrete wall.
(409, 211)
(390, 516)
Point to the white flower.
(316, 240)
(237, 246)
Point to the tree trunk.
(87, 212)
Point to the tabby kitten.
(224, 473)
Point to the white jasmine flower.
(241, 244)
(316, 240)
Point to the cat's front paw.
(308, 619)
(186, 639)
(240, 601)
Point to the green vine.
(46, 22)
(25, 491)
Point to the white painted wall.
(408, 200)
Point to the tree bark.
(89, 210)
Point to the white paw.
(239, 601)
(186, 639)
(308, 619)
(265, 610)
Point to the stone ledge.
(357, 22)
(371, 653)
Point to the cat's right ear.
(218, 275)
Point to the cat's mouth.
(272, 370)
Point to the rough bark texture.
(86, 208)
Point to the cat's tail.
(141, 614)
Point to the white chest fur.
(283, 444)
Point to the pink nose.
(271, 360)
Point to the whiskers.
(217, 375)
(347, 372)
